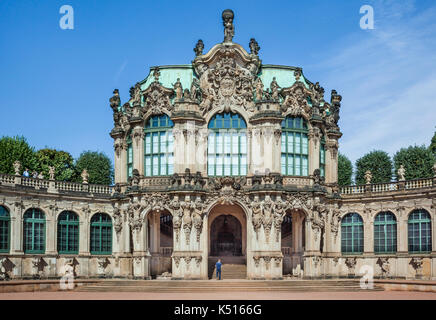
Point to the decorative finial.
(156, 74)
(368, 176)
(199, 48)
(229, 29)
(254, 46)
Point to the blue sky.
(55, 84)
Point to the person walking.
(218, 269)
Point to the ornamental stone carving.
(416, 264)
(384, 265)
(401, 173)
(118, 220)
(157, 98)
(254, 46)
(368, 176)
(17, 167)
(351, 264)
(229, 29)
(199, 47)
(187, 208)
(177, 213)
(295, 101)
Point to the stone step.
(225, 283)
(228, 288)
(231, 271)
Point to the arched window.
(385, 233)
(101, 234)
(352, 234)
(129, 155)
(34, 231)
(295, 149)
(158, 146)
(419, 226)
(5, 227)
(227, 145)
(322, 157)
(68, 233)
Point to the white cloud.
(387, 78)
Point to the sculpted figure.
(194, 89)
(178, 88)
(115, 101)
(85, 176)
(199, 48)
(257, 214)
(135, 94)
(254, 46)
(259, 89)
(274, 89)
(51, 172)
(229, 29)
(401, 173)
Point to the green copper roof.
(169, 74)
(284, 76)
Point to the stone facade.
(227, 79)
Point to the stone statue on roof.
(254, 46)
(229, 29)
(199, 48)
(178, 89)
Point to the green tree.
(432, 146)
(380, 165)
(62, 161)
(16, 148)
(98, 165)
(345, 170)
(417, 161)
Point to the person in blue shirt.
(26, 173)
(218, 269)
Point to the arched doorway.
(226, 236)
(227, 225)
(293, 242)
(160, 241)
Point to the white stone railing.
(418, 183)
(52, 185)
(34, 182)
(299, 181)
(69, 186)
(389, 187)
(384, 187)
(353, 189)
(7, 179)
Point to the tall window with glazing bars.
(352, 234)
(158, 148)
(34, 231)
(322, 157)
(101, 234)
(129, 155)
(5, 223)
(68, 233)
(419, 229)
(385, 233)
(227, 145)
(295, 149)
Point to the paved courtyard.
(375, 295)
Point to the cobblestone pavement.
(64, 295)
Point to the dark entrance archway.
(226, 236)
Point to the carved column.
(51, 233)
(314, 148)
(138, 149)
(368, 236)
(331, 158)
(179, 148)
